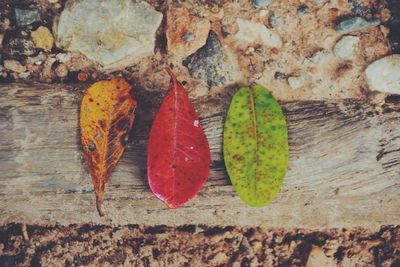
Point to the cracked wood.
(344, 165)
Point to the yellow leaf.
(106, 117)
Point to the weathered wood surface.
(344, 167)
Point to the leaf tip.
(173, 205)
(99, 202)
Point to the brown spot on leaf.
(92, 146)
(238, 157)
(102, 124)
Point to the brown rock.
(82, 76)
(219, 258)
(46, 74)
(61, 71)
(185, 32)
(14, 65)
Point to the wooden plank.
(344, 165)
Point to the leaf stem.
(171, 73)
(99, 201)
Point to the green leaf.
(256, 146)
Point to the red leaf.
(178, 159)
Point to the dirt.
(196, 245)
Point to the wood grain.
(344, 167)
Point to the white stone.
(114, 33)
(296, 82)
(346, 47)
(384, 74)
(63, 57)
(252, 32)
(263, 13)
(24, 75)
(317, 57)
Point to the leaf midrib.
(176, 108)
(105, 144)
(255, 131)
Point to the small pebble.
(61, 71)
(250, 51)
(5, 24)
(312, 70)
(355, 24)
(188, 36)
(384, 74)
(82, 76)
(296, 82)
(24, 75)
(219, 258)
(63, 57)
(318, 2)
(317, 57)
(263, 13)
(252, 32)
(279, 75)
(261, 3)
(303, 9)
(346, 47)
(272, 21)
(14, 65)
(37, 60)
(27, 16)
(43, 38)
(47, 70)
(20, 46)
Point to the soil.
(195, 245)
